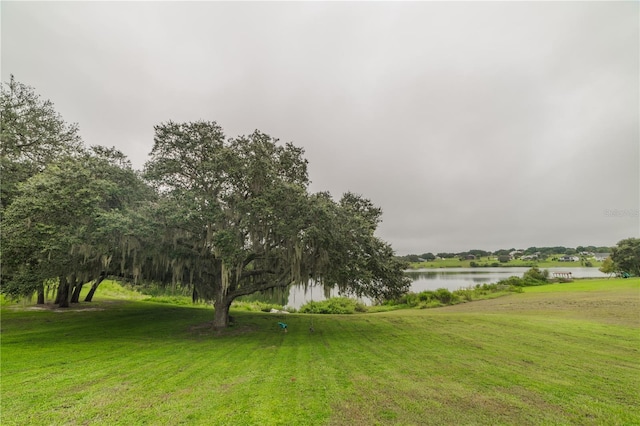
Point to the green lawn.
(556, 354)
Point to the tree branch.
(261, 286)
(253, 273)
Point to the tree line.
(540, 251)
(225, 216)
(624, 257)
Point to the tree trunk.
(221, 313)
(93, 288)
(58, 293)
(63, 293)
(75, 297)
(40, 295)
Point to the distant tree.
(478, 253)
(428, 256)
(446, 255)
(504, 258)
(412, 258)
(545, 251)
(608, 267)
(626, 256)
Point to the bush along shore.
(434, 298)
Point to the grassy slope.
(558, 354)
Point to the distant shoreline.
(493, 263)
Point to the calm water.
(449, 278)
(456, 278)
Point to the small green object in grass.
(283, 326)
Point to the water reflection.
(456, 278)
(433, 279)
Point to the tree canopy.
(33, 134)
(626, 256)
(71, 222)
(69, 213)
(241, 220)
(227, 216)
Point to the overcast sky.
(473, 125)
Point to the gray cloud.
(473, 125)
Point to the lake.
(449, 278)
(456, 278)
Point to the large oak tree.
(75, 221)
(238, 219)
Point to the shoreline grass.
(555, 354)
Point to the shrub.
(426, 296)
(412, 299)
(255, 306)
(464, 294)
(335, 305)
(535, 274)
(444, 296)
(171, 300)
(156, 290)
(528, 282)
(511, 281)
(431, 304)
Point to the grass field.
(556, 354)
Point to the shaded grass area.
(546, 356)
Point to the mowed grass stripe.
(478, 363)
